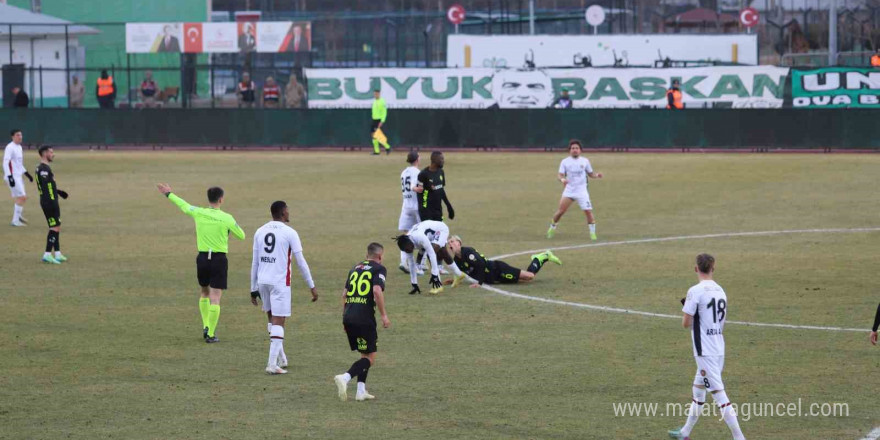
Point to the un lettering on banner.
(836, 87)
(736, 87)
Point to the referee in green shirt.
(380, 113)
(212, 234)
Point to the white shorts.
(709, 372)
(276, 299)
(408, 219)
(582, 199)
(17, 190)
(440, 238)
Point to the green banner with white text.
(836, 87)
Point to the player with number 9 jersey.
(274, 245)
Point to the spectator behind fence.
(673, 97)
(246, 91)
(875, 60)
(294, 94)
(21, 99)
(563, 101)
(77, 93)
(105, 90)
(271, 94)
(148, 90)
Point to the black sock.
(363, 376)
(358, 367)
(57, 241)
(50, 241)
(535, 266)
(419, 258)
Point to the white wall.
(47, 52)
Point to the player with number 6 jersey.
(274, 245)
(705, 311)
(409, 188)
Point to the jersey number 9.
(270, 243)
(360, 284)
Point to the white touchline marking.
(662, 315)
(873, 435)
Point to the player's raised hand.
(873, 338)
(314, 294)
(163, 188)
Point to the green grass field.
(109, 345)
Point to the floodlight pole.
(832, 33)
(531, 17)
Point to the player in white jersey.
(573, 173)
(409, 187)
(13, 170)
(705, 310)
(429, 236)
(274, 244)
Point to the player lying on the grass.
(429, 237)
(475, 265)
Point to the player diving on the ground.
(482, 270)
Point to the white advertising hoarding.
(738, 87)
(511, 51)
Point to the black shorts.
(375, 125)
(212, 272)
(503, 273)
(430, 214)
(361, 337)
(52, 211)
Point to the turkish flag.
(192, 37)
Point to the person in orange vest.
(106, 90)
(875, 60)
(673, 97)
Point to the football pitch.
(109, 345)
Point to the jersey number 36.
(359, 284)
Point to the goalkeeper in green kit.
(213, 227)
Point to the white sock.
(728, 414)
(16, 213)
(592, 228)
(57, 254)
(346, 377)
(282, 357)
(694, 411)
(362, 388)
(269, 328)
(552, 225)
(47, 254)
(276, 344)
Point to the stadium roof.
(28, 24)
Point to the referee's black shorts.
(375, 125)
(212, 272)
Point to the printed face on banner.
(247, 36)
(284, 37)
(522, 89)
(153, 37)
